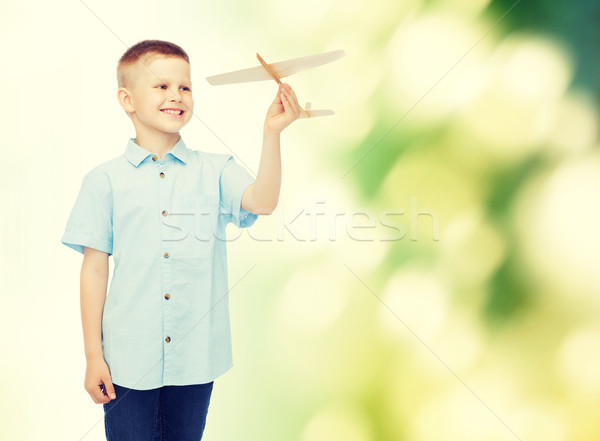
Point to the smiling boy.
(157, 342)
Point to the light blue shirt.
(166, 315)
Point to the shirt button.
(167, 296)
(162, 175)
(166, 255)
(168, 339)
(164, 212)
(154, 158)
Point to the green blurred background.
(450, 288)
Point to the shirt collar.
(136, 154)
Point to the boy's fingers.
(277, 99)
(284, 99)
(291, 93)
(98, 394)
(110, 389)
(293, 100)
(286, 103)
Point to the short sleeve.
(233, 182)
(90, 221)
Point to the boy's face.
(164, 84)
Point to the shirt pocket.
(204, 209)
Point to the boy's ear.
(124, 99)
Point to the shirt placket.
(164, 184)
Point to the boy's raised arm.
(262, 196)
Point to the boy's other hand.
(283, 110)
(98, 382)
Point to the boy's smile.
(173, 112)
(161, 98)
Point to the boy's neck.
(159, 144)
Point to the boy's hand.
(98, 382)
(283, 110)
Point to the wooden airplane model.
(281, 69)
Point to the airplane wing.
(313, 113)
(282, 68)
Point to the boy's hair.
(146, 51)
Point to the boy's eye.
(183, 87)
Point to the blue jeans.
(169, 413)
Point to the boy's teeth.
(173, 112)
